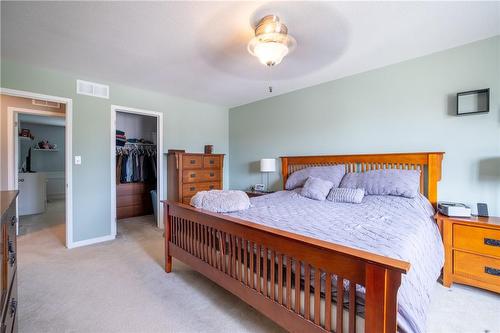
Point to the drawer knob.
(193, 175)
(492, 271)
(192, 161)
(192, 188)
(212, 162)
(13, 307)
(211, 187)
(13, 220)
(212, 174)
(10, 246)
(492, 242)
(12, 258)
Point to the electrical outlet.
(78, 160)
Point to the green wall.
(404, 107)
(187, 125)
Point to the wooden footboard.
(261, 264)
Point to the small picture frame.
(473, 102)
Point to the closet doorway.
(136, 165)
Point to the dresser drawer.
(192, 161)
(196, 176)
(10, 311)
(186, 200)
(480, 240)
(211, 162)
(11, 251)
(476, 267)
(193, 188)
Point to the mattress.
(396, 227)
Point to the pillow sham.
(332, 173)
(347, 195)
(316, 188)
(403, 183)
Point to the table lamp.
(267, 165)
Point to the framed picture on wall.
(473, 102)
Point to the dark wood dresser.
(8, 248)
(133, 199)
(189, 173)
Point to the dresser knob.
(192, 161)
(192, 188)
(212, 174)
(193, 175)
(492, 271)
(212, 162)
(211, 187)
(13, 220)
(492, 242)
(13, 307)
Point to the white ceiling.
(197, 50)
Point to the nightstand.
(472, 251)
(252, 194)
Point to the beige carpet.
(120, 286)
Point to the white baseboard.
(91, 241)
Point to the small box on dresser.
(189, 173)
(9, 261)
(472, 251)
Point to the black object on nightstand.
(482, 209)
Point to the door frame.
(159, 156)
(12, 139)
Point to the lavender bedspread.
(395, 227)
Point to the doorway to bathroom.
(41, 174)
(38, 154)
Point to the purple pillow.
(332, 173)
(403, 183)
(316, 188)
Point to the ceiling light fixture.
(271, 42)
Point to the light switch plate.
(78, 160)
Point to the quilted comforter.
(395, 227)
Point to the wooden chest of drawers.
(8, 248)
(189, 173)
(472, 251)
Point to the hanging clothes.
(136, 164)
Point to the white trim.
(92, 241)
(159, 156)
(68, 146)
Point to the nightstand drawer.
(480, 240)
(476, 267)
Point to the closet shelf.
(40, 149)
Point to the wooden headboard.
(428, 163)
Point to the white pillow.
(316, 188)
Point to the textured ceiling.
(197, 50)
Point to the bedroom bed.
(353, 253)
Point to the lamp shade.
(267, 165)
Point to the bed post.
(381, 310)
(434, 161)
(168, 237)
(284, 170)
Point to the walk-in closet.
(136, 166)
